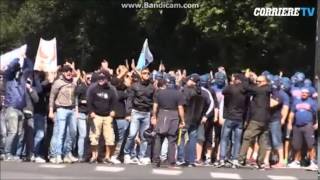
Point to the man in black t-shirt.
(167, 108)
(235, 99)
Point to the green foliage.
(219, 32)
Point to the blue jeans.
(181, 146)
(65, 128)
(190, 148)
(276, 134)
(82, 130)
(14, 129)
(235, 127)
(122, 126)
(140, 121)
(39, 129)
(3, 131)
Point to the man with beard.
(140, 101)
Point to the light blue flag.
(145, 57)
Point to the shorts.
(276, 134)
(201, 133)
(301, 133)
(104, 125)
(208, 128)
(204, 133)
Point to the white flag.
(146, 56)
(6, 58)
(46, 59)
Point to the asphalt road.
(33, 171)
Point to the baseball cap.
(194, 77)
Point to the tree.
(219, 32)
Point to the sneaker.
(135, 160)
(59, 159)
(127, 159)
(235, 164)
(32, 158)
(39, 160)
(2, 157)
(222, 163)
(312, 167)
(144, 161)
(115, 160)
(294, 164)
(179, 163)
(53, 160)
(216, 163)
(207, 162)
(69, 158)
(185, 164)
(192, 165)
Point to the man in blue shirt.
(279, 115)
(303, 124)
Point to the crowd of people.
(131, 116)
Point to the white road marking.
(225, 175)
(110, 169)
(281, 177)
(54, 166)
(166, 172)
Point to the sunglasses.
(145, 73)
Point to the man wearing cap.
(140, 100)
(303, 123)
(167, 108)
(197, 110)
(62, 102)
(101, 100)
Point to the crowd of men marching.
(164, 118)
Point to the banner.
(46, 59)
(6, 58)
(146, 56)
